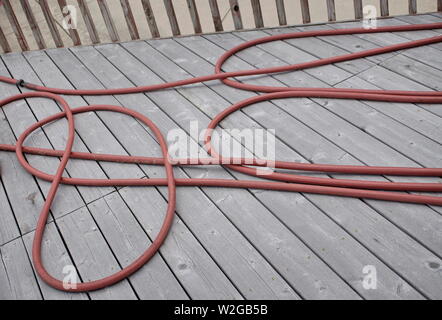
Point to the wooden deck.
(242, 244)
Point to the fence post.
(236, 14)
(15, 26)
(93, 34)
(305, 10)
(331, 10)
(130, 20)
(257, 14)
(217, 22)
(281, 12)
(150, 17)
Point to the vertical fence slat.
(150, 17)
(236, 14)
(281, 12)
(72, 32)
(33, 24)
(217, 22)
(439, 5)
(331, 10)
(108, 21)
(90, 26)
(305, 11)
(15, 26)
(130, 19)
(257, 14)
(194, 16)
(358, 9)
(412, 6)
(51, 23)
(172, 17)
(385, 12)
(4, 42)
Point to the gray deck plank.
(8, 226)
(174, 104)
(55, 258)
(310, 222)
(93, 257)
(127, 131)
(17, 272)
(423, 265)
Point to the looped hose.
(293, 182)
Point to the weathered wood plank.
(214, 9)
(150, 17)
(15, 25)
(53, 29)
(282, 18)
(331, 10)
(33, 24)
(108, 20)
(385, 12)
(90, 25)
(236, 14)
(17, 273)
(4, 42)
(130, 20)
(172, 17)
(8, 227)
(305, 11)
(412, 6)
(75, 36)
(55, 258)
(257, 13)
(194, 16)
(358, 9)
(128, 240)
(94, 259)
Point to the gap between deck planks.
(331, 225)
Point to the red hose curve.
(279, 181)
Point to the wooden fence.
(132, 26)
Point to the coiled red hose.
(280, 181)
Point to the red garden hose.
(277, 181)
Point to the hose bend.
(293, 182)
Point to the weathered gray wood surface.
(242, 244)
